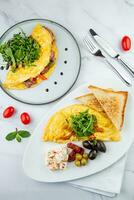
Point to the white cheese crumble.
(57, 158)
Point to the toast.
(91, 101)
(112, 102)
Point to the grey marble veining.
(113, 19)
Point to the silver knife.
(111, 52)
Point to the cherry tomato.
(126, 43)
(25, 118)
(8, 112)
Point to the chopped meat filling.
(28, 83)
(52, 56)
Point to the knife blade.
(110, 51)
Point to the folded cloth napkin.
(107, 182)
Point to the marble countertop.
(113, 19)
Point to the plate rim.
(79, 52)
(72, 179)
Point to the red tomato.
(25, 118)
(126, 43)
(8, 112)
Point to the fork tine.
(91, 44)
(86, 42)
(88, 45)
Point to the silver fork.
(93, 49)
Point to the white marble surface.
(112, 19)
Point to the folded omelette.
(24, 77)
(58, 130)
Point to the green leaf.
(11, 136)
(20, 49)
(18, 138)
(94, 142)
(9, 53)
(83, 123)
(23, 133)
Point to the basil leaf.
(24, 133)
(11, 136)
(18, 138)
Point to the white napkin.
(107, 182)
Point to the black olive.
(101, 146)
(87, 144)
(2, 67)
(7, 66)
(92, 154)
(93, 146)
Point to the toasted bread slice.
(113, 103)
(91, 101)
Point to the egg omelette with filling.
(58, 129)
(29, 76)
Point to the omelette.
(29, 76)
(58, 129)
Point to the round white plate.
(65, 73)
(33, 161)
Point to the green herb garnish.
(18, 135)
(83, 123)
(11, 136)
(18, 138)
(94, 142)
(24, 134)
(21, 49)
